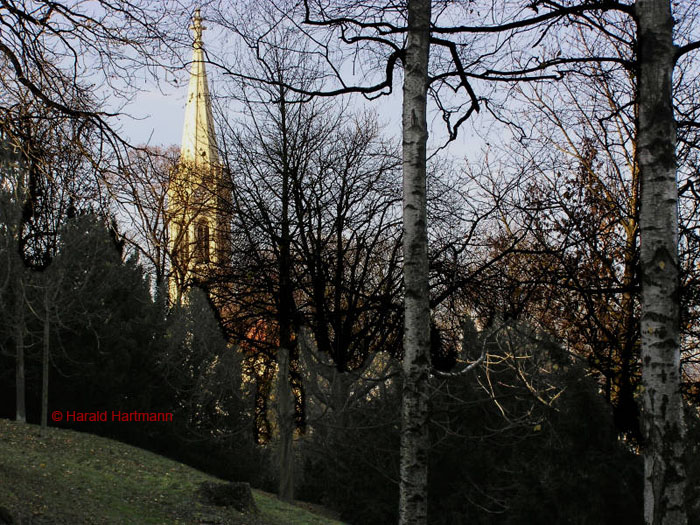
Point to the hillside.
(71, 477)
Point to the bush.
(499, 455)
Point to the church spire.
(199, 223)
(198, 137)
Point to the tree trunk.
(413, 504)
(18, 266)
(285, 417)
(340, 395)
(285, 406)
(20, 382)
(664, 474)
(45, 373)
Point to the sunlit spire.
(198, 137)
(197, 28)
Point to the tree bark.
(664, 473)
(20, 382)
(413, 502)
(45, 371)
(340, 394)
(285, 417)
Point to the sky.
(154, 118)
(156, 115)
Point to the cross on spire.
(197, 27)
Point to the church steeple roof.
(198, 137)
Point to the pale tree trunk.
(20, 382)
(664, 474)
(413, 503)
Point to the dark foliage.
(693, 466)
(355, 469)
(116, 349)
(565, 466)
(497, 457)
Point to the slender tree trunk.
(45, 372)
(664, 474)
(20, 382)
(285, 404)
(627, 415)
(413, 503)
(20, 328)
(285, 411)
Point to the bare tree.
(140, 193)
(13, 276)
(325, 183)
(58, 52)
(47, 182)
(270, 155)
(48, 287)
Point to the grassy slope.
(70, 477)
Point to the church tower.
(197, 194)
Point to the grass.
(71, 477)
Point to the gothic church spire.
(198, 193)
(198, 137)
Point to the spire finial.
(197, 27)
